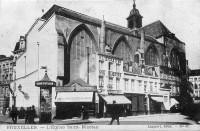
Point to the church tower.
(135, 19)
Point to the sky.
(180, 16)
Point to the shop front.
(138, 103)
(70, 100)
(106, 100)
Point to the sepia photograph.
(99, 65)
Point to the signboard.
(45, 101)
(64, 88)
(45, 83)
(74, 97)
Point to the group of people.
(29, 115)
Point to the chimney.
(103, 36)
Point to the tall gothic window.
(123, 51)
(174, 60)
(151, 57)
(79, 44)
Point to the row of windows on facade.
(135, 85)
(194, 79)
(153, 88)
(196, 86)
(82, 39)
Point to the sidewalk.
(8, 120)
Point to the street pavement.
(155, 119)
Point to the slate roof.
(158, 29)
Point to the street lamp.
(20, 87)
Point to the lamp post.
(88, 54)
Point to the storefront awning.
(173, 102)
(74, 97)
(196, 101)
(120, 99)
(157, 99)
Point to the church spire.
(134, 19)
(134, 5)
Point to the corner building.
(137, 66)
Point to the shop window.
(132, 85)
(195, 79)
(117, 83)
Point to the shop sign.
(74, 97)
(115, 92)
(64, 88)
(45, 83)
(45, 101)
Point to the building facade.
(139, 66)
(6, 77)
(194, 78)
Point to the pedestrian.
(14, 114)
(27, 115)
(84, 113)
(22, 113)
(114, 112)
(32, 114)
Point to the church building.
(94, 62)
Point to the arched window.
(174, 59)
(151, 57)
(79, 45)
(123, 51)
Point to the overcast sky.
(181, 17)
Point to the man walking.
(115, 112)
(14, 114)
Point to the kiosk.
(45, 98)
